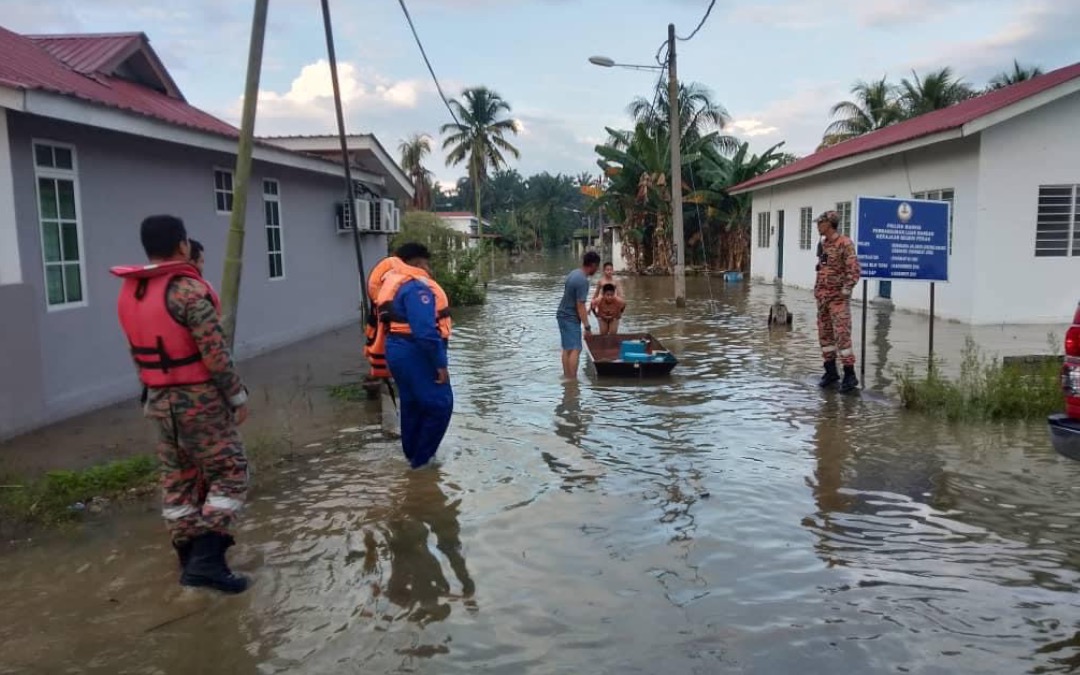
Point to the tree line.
(527, 213)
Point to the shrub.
(453, 262)
(986, 389)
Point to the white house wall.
(1041, 147)
(952, 164)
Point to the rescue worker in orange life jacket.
(416, 316)
(374, 342)
(194, 396)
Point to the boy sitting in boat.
(609, 308)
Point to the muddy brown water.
(732, 518)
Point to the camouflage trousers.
(204, 472)
(834, 329)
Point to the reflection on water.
(732, 518)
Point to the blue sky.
(776, 65)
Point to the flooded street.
(730, 519)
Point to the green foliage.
(985, 390)
(49, 499)
(352, 392)
(455, 265)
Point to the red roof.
(89, 53)
(931, 123)
(55, 65)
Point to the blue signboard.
(903, 239)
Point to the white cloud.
(753, 127)
(811, 14)
(311, 95)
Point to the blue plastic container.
(631, 347)
(732, 276)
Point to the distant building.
(1009, 161)
(465, 223)
(95, 136)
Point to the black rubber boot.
(207, 566)
(183, 553)
(830, 377)
(850, 383)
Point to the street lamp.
(676, 160)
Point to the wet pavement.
(730, 519)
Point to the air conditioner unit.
(387, 215)
(395, 222)
(342, 218)
(365, 218)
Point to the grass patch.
(49, 500)
(986, 389)
(351, 392)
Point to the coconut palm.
(936, 90)
(413, 150)
(478, 137)
(699, 114)
(876, 105)
(1017, 74)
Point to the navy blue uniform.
(414, 360)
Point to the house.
(94, 136)
(465, 223)
(1006, 160)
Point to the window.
(223, 190)
(764, 228)
(843, 209)
(58, 216)
(272, 214)
(943, 195)
(1057, 221)
(806, 227)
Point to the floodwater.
(730, 519)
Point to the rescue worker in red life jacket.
(416, 317)
(194, 396)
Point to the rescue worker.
(375, 341)
(837, 274)
(194, 396)
(416, 316)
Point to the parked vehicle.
(1065, 427)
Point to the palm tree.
(413, 150)
(699, 114)
(1018, 74)
(875, 106)
(938, 89)
(478, 137)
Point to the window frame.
(844, 210)
(280, 227)
(764, 229)
(939, 192)
(231, 192)
(58, 174)
(1072, 243)
(806, 228)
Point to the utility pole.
(234, 246)
(676, 173)
(350, 191)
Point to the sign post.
(903, 240)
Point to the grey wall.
(122, 179)
(21, 400)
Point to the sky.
(776, 66)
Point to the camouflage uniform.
(204, 472)
(838, 272)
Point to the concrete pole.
(676, 174)
(234, 245)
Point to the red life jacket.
(164, 349)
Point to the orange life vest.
(392, 324)
(164, 349)
(376, 355)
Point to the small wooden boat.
(642, 355)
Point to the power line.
(426, 61)
(702, 23)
